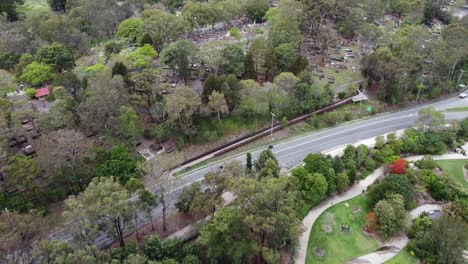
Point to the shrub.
(30, 92)
(342, 94)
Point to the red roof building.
(42, 92)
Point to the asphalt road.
(290, 153)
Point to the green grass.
(458, 109)
(403, 258)
(196, 166)
(341, 247)
(35, 5)
(454, 169)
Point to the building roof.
(44, 91)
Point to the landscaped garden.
(454, 169)
(403, 258)
(337, 236)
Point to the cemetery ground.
(454, 169)
(339, 246)
(403, 257)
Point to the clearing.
(341, 246)
(454, 170)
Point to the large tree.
(69, 151)
(182, 105)
(57, 56)
(105, 96)
(104, 205)
(217, 104)
(163, 27)
(9, 7)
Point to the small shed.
(42, 92)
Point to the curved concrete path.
(308, 221)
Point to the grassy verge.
(340, 246)
(458, 109)
(196, 166)
(403, 258)
(454, 170)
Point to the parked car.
(463, 95)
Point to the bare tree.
(64, 149)
(158, 170)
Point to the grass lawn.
(458, 109)
(341, 247)
(403, 258)
(33, 5)
(454, 170)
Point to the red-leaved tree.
(398, 167)
(371, 222)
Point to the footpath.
(311, 217)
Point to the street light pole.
(272, 123)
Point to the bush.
(426, 163)
(342, 94)
(30, 92)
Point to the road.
(290, 153)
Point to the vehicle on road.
(462, 95)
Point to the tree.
(56, 55)
(256, 10)
(264, 156)
(68, 80)
(444, 242)
(391, 215)
(158, 172)
(9, 7)
(182, 105)
(68, 151)
(430, 119)
(130, 29)
(22, 171)
(163, 27)
(286, 55)
(371, 222)
(116, 162)
(199, 14)
(237, 233)
(37, 73)
(186, 197)
(147, 201)
(249, 66)
(120, 69)
(393, 183)
(317, 163)
(217, 104)
(179, 55)
(17, 235)
(130, 126)
(61, 114)
(398, 167)
(58, 5)
(313, 185)
(248, 164)
(98, 112)
(342, 181)
(232, 60)
(104, 204)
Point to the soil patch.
(327, 228)
(319, 252)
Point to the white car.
(463, 95)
